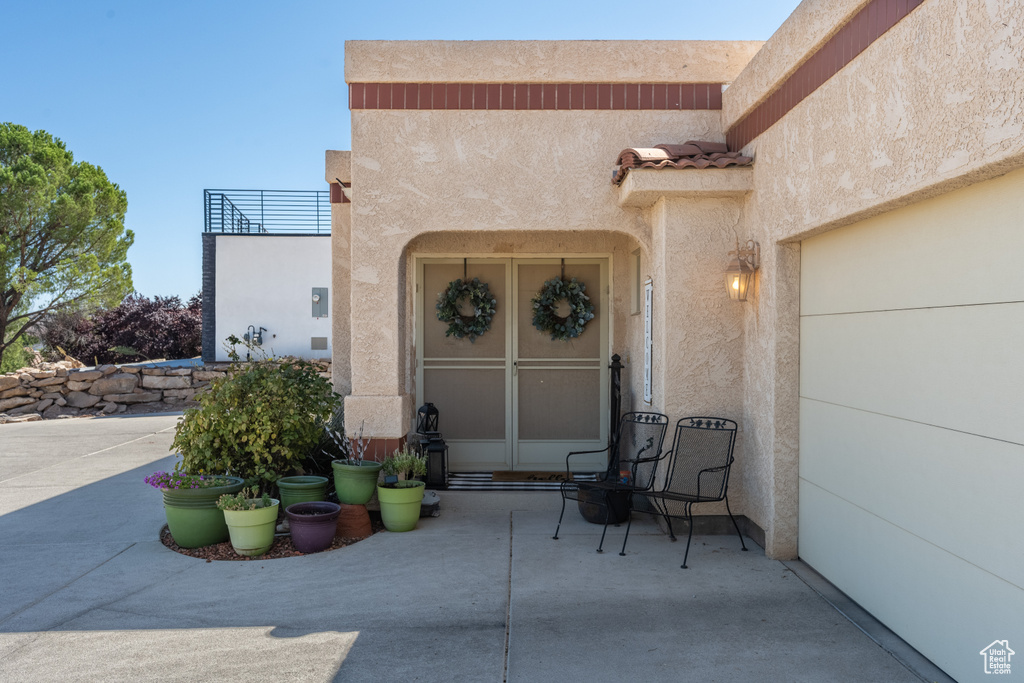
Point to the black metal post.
(616, 398)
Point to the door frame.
(606, 261)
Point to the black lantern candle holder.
(433, 446)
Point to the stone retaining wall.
(54, 390)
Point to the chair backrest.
(641, 437)
(701, 458)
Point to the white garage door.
(912, 419)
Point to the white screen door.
(515, 399)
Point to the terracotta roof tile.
(690, 154)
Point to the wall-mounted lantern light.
(740, 272)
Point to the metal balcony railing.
(267, 211)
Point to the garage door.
(912, 419)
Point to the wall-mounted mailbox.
(319, 302)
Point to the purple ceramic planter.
(312, 533)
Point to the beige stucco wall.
(538, 182)
(933, 105)
(810, 25)
(539, 61)
(490, 172)
(338, 167)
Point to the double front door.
(515, 399)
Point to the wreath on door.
(480, 298)
(581, 311)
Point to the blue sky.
(171, 98)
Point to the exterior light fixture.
(740, 272)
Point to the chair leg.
(607, 516)
(663, 511)
(560, 518)
(629, 523)
(689, 537)
(735, 524)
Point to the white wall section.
(268, 281)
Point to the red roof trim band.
(867, 26)
(536, 96)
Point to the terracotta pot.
(353, 522)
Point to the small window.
(635, 283)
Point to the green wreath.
(581, 311)
(480, 298)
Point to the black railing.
(267, 211)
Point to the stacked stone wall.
(55, 390)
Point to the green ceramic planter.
(355, 483)
(252, 531)
(400, 507)
(306, 489)
(193, 517)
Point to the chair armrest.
(581, 453)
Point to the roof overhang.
(642, 187)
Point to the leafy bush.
(73, 331)
(138, 329)
(332, 445)
(259, 422)
(18, 355)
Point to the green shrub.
(14, 358)
(259, 422)
(406, 463)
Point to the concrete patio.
(481, 593)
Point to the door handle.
(515, 368)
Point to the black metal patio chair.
(632, 462)
(698, 472)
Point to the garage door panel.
(931, 482)
(945, 366)
(939, 603)
(924, 255)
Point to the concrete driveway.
(481, 593)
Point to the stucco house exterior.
(875, 366)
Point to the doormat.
(484, 481)
(529, 476)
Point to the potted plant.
(312, 525)
(190, 503)
(401, 495)
(259, 422)
(354, 477)
(301, 489)
(251, 521)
